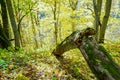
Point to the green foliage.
(3, 64)
(76, 69)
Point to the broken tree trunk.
(99, 61)
(72, 41)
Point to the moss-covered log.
(99, 61)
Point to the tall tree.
(105, 20)
(101, 26)
(5, 18)
(97, 10)
(56, 10)
(37, 21)
(55, 5)
(4, 42)
(55, 19)
(73, 5)
(13, 23)
(33, 28)
(4, 30)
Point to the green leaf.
(54, 78)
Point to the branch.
(20, 20)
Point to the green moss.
(108, 65)
(101, 48)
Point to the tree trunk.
(39, 30)
(97, 10)
(5, 19)
(33, 29)
(101, 27)
(74, 39)
(55, 24)
(105, 20)
(13, 23)
(95, 55)
(4, 42)
(99, 60)
(4, 31)
(73, 5)
(73, 20)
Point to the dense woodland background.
(31, 29)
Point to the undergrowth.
(41, 64)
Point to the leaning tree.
(99, 61)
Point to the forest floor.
(40, 64)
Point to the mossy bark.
(99, 61)
(13, 23)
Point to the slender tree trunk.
(105, 20)
(55, 24)
(73, 20)
(97, 9)
(58, 22)
(19, 19)
(34, 32)
(13, 23)
(99, 6)
(73, 5)
(33, 29)
(60, 34)
(101, 27)
(37, 21)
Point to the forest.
(59, 39)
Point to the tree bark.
(99, 61)
(101, 27)
(97, 10)
(74, 39)
(4, 31)
(5, 21)
(55, 24)
(4, 42)
(13, 23)
(105, 20)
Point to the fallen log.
(99, 61)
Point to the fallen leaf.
(11, 66)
